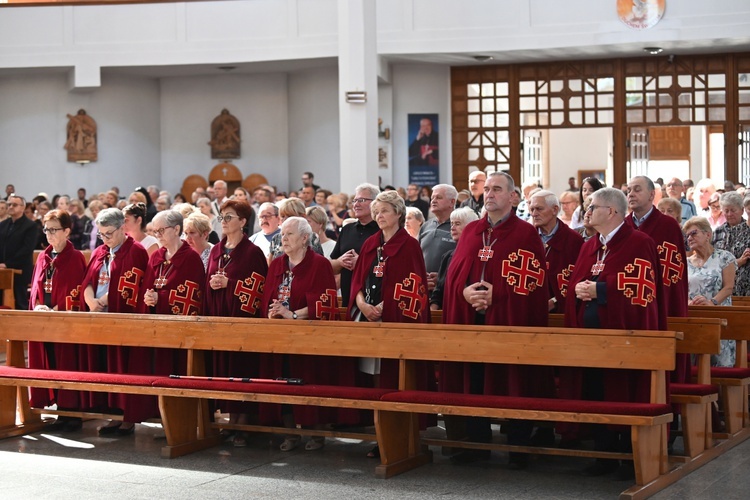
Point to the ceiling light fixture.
(483, 58)
(227, 68)
(654, 51)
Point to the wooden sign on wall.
(81, 138)
(225, 136)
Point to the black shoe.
(625, 472)
(600, 468)
(470, 456)
(374, 453)
(543, 437)
(518, 461)
(109, 429)
(126, 431)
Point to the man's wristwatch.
(294, 315)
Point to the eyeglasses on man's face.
(592, 207)
(361, 200)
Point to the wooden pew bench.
(183, 405)
(733, 381)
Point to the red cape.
(562, 252)
(246, 271)
(314, 287)
(404, 285)
(126, 272)
(182, 294)
(670, 243)
(515, 301)
(520, 297)
(69, 268)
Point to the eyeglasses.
(227, 217)
(692, 233)
(594, 207)
(14, 205)
(361, 200)
(51, 230)
(107, 236)
(160, 232)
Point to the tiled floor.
(81, 465)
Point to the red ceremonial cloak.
(246, 268)
(313, 286)
(516, 267)
(66, 271)
(633, 301)
(126, 272)
(561, 252)
(403, 290)
(181, 293)
(670, 243)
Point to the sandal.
(374, 453)
(315, 443)
(290, 443)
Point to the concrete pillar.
(358, 67)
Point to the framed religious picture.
(424, 149)
(640, 14)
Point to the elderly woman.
(299, 284)
(204, 205)
(711, 277)
(197, 227)
(135, 226)
(234, 287)
(414, 221)
(291, 207)
(670, 207)
(113, 284)
(390, 265)
(588, 187)
(459, 219)
(568, 205)
(318, 220)
(56, 286)
(734, 237)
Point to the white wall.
(314, 128)
(33, 119)
(572, 150)
(420, 88)
(188, 105)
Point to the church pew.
(7, 277)
(738, 300)
(186, 421)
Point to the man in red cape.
(617, 284)
(497, 277)
(561, 245)
(113, 284)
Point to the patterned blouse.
(707, 281)
(735, 239)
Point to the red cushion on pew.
(517, 403)
(323, 391)
(722, 372)
(692, 389)
(72, 376)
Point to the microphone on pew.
(279, 380)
